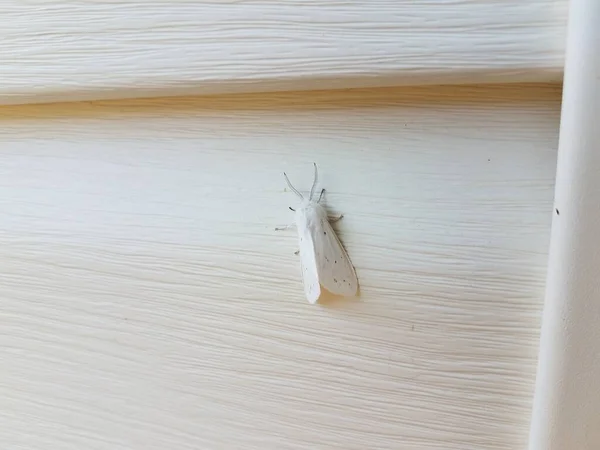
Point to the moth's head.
(305, 203)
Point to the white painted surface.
(147, 302)
(89, 49)
(567, 401)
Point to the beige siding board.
(57, 50)
(147, 302)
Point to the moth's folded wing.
(310, 276)
(335, 270)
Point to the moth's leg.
(322, 191)
(335, 219)
(286, 227)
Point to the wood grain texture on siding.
(52, 50)
(148, 303)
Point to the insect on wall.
(324, 261)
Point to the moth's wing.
(334, 268)
(308, 261)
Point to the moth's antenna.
(312, 189)
(294, 190)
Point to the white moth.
(323, 258)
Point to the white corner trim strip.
(566, 413)
(74, 49)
